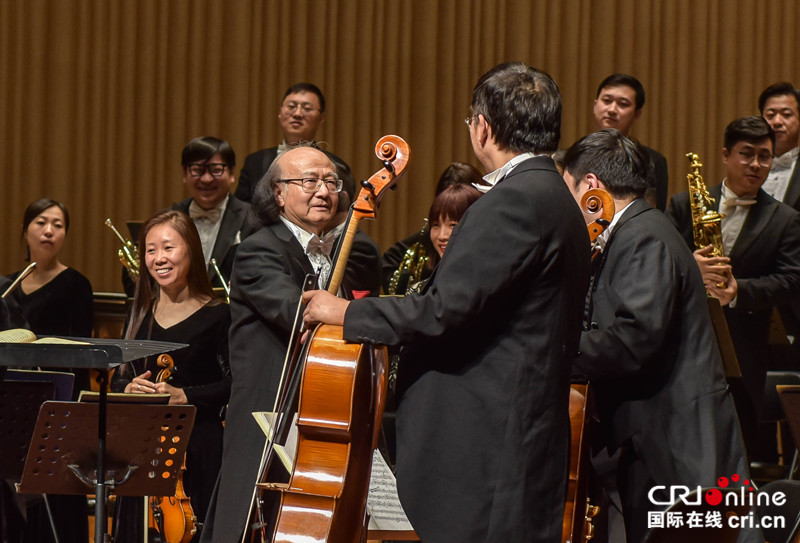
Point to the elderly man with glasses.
(301, 114)
(296, 202)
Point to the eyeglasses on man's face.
(747, 156)
(216, 169)
(304, 107)
(313, 184)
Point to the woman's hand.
(176, 395)
(141, 384)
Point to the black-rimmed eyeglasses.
(216, 169)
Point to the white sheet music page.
(383, 503)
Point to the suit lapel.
(637, 207)
(231, 224)
(757, 220)
(295, 249)
(793, 190)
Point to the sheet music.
(383, 503)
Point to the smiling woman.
(174, 302)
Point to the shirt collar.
(601, 240)
(786, 160)
(304, 237)
(491, 179)
(214, 214)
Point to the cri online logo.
(744, 495)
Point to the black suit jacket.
(652, 358)
(268, 273)
(482, 424)
(662, 177)
(231, 231)
(766, 264)
(256, 165)
(792, 196)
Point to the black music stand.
(102, 355)
(19, 406)
(145, 446)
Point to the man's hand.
(714, 269)
(324, 307)
(717, 270)
(725, 295)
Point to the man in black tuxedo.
(618, 104)
(761, 266)
(220, 217)
(648, 348)
(296, 203)
(779, 104)
(300, 116)
(482, 420)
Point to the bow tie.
(732, 202)
(322, 246)
(784, 162)
(197, 212)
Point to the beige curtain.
(98, 97)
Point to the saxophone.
(706, 222)
(411, 268)
(128, 255)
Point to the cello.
(342, 392)
(597, 207)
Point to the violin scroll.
(165, 361)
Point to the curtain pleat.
(98, 97)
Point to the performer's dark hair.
(522, 105)
(203, 148)
(307, 87)
(778, 89)
(751, 129)
(617, 80)
(620, 162)
(458, 173)
(34, 210)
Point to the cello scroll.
(597, 207)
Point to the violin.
(342, 392)
(172, 519)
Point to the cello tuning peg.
(367, 185)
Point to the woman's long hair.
(147, 289)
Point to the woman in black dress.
(174, 302)
(54, 300)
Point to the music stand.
(145, 447)
(19, 406)
(62, 381)
(102, 355)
